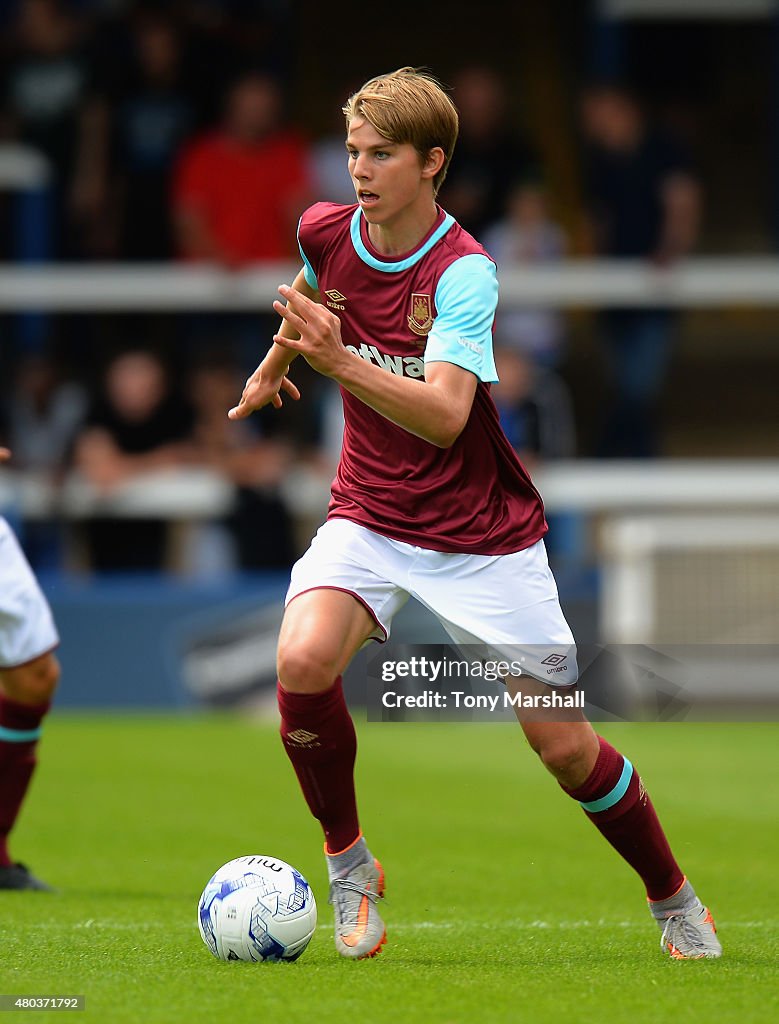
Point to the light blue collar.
(409, 261)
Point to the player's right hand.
(4, 454)
(259, 392)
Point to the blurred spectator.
(534, 408)
(533, 401)
(528, 235)
(51, 102)
(332, 182)
(489, 154)
(645, 204)
(137, 424)
(260, 526)
(536, 414)
(240, 190)
(44, 415)
(154, 115)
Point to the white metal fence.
(710, 282)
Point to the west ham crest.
(420, 319)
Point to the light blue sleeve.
(308, 270)
(465, 299)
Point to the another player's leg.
(321, 632)
(613, 797)
(25, 696)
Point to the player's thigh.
(343, 591)
(32, 683)
(321, 632)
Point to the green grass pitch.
(504, 904)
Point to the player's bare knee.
(302, 669)
(562, 756)
(42, 679)
(33, 683)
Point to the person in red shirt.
(396, 303)
(239, 190)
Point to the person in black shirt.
(137, 424)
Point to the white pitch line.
(544, 925)
(401, 926)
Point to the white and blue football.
(257, 908)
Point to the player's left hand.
(4, 454)
(262, 389)
(319, 329)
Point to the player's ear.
(433, 162)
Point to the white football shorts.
(27, 627)
(507, 602)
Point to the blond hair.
(408, 105)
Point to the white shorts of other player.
(27, 628)
(507, 602)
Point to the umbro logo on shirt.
(335, 300)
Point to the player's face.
(388, 177)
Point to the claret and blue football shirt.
(433, 304)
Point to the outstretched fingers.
(288, 313)
(289, 387)
(253, 398)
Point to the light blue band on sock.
(615, 795)
(19, 735)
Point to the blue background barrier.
(125, 640)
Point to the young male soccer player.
(396, 303)
(29, 673)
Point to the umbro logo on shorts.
(554, 659)
(303, 738)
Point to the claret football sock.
(20, 728)
(319, 738)
(614, 799)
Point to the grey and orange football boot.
(356, 886)
(688, 929)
